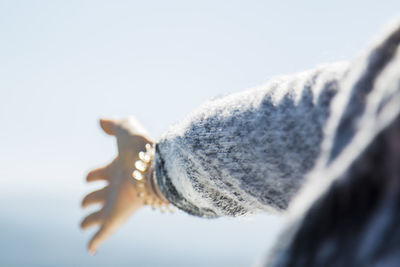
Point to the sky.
(65, 64)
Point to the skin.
(119, 199)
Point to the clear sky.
(64, 64)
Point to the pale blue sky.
(64, 64)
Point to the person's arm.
(247, 152)
(239, 154)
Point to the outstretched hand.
(119, 198)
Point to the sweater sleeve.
(247, 152)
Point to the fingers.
(97, 239)
(92, 220)
(98, 174)
(108, 125)
(96, 197)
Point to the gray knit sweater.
(248, 152)
(336, 127)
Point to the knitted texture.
(335, 129)
(248, 152)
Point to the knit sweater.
(248, 152)
(334, 129)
